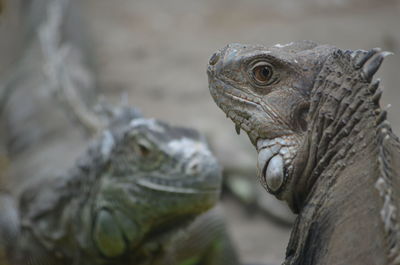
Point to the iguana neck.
(348, 212)
(342, 212)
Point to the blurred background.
(154, 53)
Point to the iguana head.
(157, 178)
(292, 100)
(266, 93)
(135, 187)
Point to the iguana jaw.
(241, 114)
(271, 146)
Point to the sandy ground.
(154, 54)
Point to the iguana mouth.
(241, 117)
(219, 88)
(174, 189)
(275, 162)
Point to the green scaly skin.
(133, 198)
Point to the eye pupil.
(144, 151)
(262, 73)
(265, 72)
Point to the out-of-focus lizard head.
(159, 178)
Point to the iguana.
(132, 198)
(324, 144)
(128, 201)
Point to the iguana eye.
(262, 73)
(142, 147)
(143, 150)
(148, 155)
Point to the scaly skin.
(131, 199)
(272, 113)
(324, 145)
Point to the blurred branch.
(64, 69)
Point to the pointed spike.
(237, 128)
(357, 53)
(374, 86)
(348, 52)
(385, 125)
(372, 66)
(363, 56)
(382, 117)
(338, 53)
(377, 97)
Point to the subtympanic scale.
(273, 156)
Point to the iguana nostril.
(214, 58)
(193, 167)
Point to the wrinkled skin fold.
(324, 145)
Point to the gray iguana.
(324, 145)
(130, 200)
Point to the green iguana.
(142, 194)
(324, 145)
(131, 199)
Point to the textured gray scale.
(340, 163)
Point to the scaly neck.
(338, 224)
(349, 200)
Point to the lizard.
(41, 223)
(324, 144)
(132, 198)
